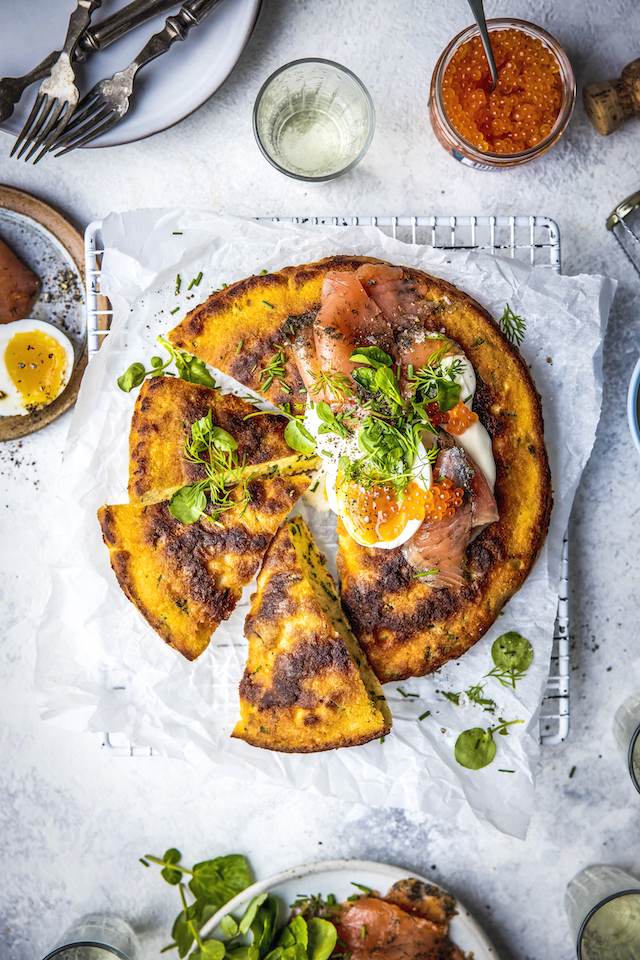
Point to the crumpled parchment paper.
(100, 667)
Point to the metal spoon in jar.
(477, 10)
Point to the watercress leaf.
(229, 926)
(187, 505)
(263, 929)
(448, 394)
(250, 912)
(211, 949)
(238, 953)
(275, 954)
(299, 438)
(512, 651)
(324, 412)
(182, 932)
(156, 362)
(194, 370)
(171, 876)
(222, 439)
(373, 356)
(387, 384)
(132, 377)
(475, 748)
(365, 378)
(218, 881)
(322, 938)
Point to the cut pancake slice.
(186, 578)
(307, 686)
(165, 411)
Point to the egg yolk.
(376, 513)
(36, 364)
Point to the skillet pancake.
(185, 579)
(307, 686)
(407, 625)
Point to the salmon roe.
(523, 108)
(460, 417)
(443, 499)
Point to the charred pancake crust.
(185, 579)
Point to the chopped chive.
(405, 695)
(284, 387)
(224, 286)
(174, 311)
(571, 772)
(196, 281)
(426, 573)
(505, 771)
(382, 739)
(315, 486)
(410, 369)
(424, 715)
(270, 305)
(325, 453)
(240, 346)
(262, 273)
(178, 282)
(177, 233)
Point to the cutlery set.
(59, 120)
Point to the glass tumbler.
(626, 730)
(96, 936)
(603, 907)
(313, 119)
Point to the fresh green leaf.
(475, 748)
(512, 651)
(322, 938)
(448, 394)
(250, 912)
(229, 926)
(210, 950)
(238, 953)
(132, 377)
(218, 881)
(263, 929)
(365, 378)
(171, 876)
(374, 356)
(299, 438)
(367, 890)
(187, 505)
(182, 931)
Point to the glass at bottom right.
(603, 907)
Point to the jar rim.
(568, 91)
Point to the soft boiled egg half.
(36, 361)
(373, 516)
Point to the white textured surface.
(73, 821)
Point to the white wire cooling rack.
(534, 240)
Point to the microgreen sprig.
(189, 368)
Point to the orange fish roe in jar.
(525, 104)
(460, 417)
(443, 499)
(525, 114)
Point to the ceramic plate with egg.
(53, 249)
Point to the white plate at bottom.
(337, 877)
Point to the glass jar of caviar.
(525, 114)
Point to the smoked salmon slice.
(373, 928)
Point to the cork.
(611, 103)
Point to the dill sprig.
(332, 381)
(512, 326)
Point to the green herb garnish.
(512, 655)
(476, 748)
(512, 325)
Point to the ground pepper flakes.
(525, 104)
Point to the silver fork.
(58, 94)
(92, 40)
(109, 100)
